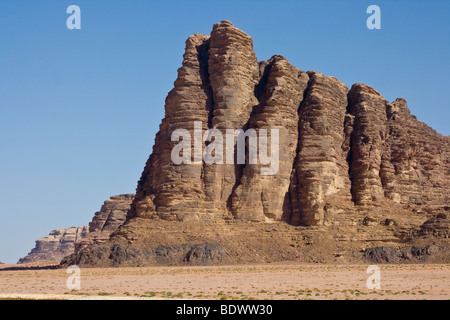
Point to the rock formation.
(58, 244)
(351, 163)
(111, 215)
(436, 227)
(338, 144)
(62, 242)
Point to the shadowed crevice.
(294, 216)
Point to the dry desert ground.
(274, 282)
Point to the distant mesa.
(55, 246)
(62, 242)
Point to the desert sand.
(271, 281)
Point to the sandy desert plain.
(243, 282)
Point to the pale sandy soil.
(275, 282)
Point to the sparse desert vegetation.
(272, 282)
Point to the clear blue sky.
(80, 108)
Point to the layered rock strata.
(350, 163)
(63, 242)
(58, 244)
(337, 146)
(112, 214)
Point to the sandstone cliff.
(342, 145)
(63, 242)
(58, 244)
(111, 215)
(351, 164)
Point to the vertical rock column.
(368, 143)
(320, 170)
(233, 74)
(166, 190)
(265, 197)
(387, 168)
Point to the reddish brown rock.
(261, 197)
(233, 75)
(321, 170)
(419, 159)
(339, 148)
(112, 214)
(176, 192)
(393, 155)
(369, 134)
(354, 169)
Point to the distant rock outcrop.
(62, 242)
(353, 166)
(58, 244)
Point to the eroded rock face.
(436, 227)
(419, 159)
(58, 244)
(320, 172)
(338, 147)
(63, 242)
(368, 108)
(351, 163)
(176, 192)
(112, 214)
(233, 76)
(261, 197)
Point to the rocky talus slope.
(356, 171)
